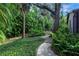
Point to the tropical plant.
(8, 14)
(3, 23)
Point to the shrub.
(64, 42)
(15, 29)
(36, 32)
(36, 25)
(2, 37)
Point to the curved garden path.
(45, 48)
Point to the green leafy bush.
(64, 42)
(8, 19)
(36, 32)
(16, 28)
(36, 25)
(2, 37)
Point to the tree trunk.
(24, 8)
(57, 17)
(23, 25)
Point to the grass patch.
(21, 47)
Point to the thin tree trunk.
(24, 10)
(57, 17)
(23, 25)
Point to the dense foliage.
(64, 42)
(37, 24)
(7, 18)
(11, 21)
